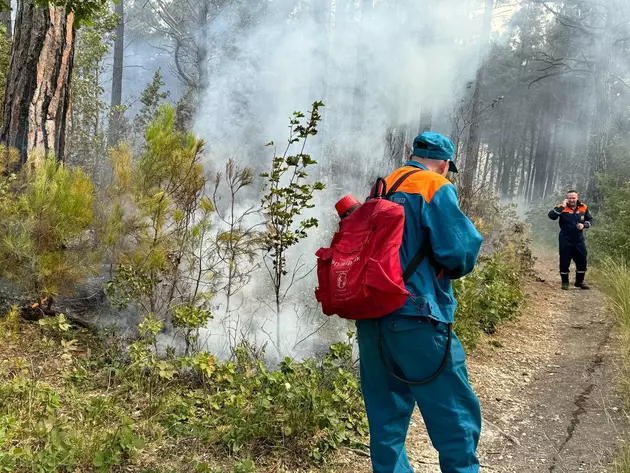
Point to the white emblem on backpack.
(342, 280)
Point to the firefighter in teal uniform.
(411, 356)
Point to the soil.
(548, 384)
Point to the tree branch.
(312, 333)
(568, 22)
(622, 81)
(556, 74)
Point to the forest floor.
(548, 384)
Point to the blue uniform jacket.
(432, 211)
(569, 219)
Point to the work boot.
(579, 281)
(565, 281)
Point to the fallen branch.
(356, 451)
(43, 308)
(511, 438)
(78, 321)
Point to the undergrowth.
(75, 401)
(489, 296)
(609, 235)
(68, 405)
(493, 292)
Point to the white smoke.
(408, 57)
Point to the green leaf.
(139, 443)
(99, 459)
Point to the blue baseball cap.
(430, 145)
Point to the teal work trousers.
(414, 348)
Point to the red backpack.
(360, 276)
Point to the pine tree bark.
(527, 182)
(117, 77)
(37, 97)
(474, 135)
(202, 46)
(552, 160)
(541, 158)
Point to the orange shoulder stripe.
(581, 208)
(425, 183)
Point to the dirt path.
(549, 392)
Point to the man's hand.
(565, 203)
(580, 226)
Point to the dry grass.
(615, 284)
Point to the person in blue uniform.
(411, 356)
(573, 217)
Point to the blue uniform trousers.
(572, 251)
(414, 348)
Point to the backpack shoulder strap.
(426, 247)
(417, 259)
(400, 180)
(379, 189)
(425, 251)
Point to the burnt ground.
(549, 386)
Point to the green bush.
(609, 234)
(308, 409)
(101, 412)
(493, 292)
(46, 211)
(488, 296)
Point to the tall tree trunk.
(513, 189)
(509, 161)
(395, 145)
(319, 87)
(37, 97)
(540, 160)
(202, 46)
(360, 81)
(117, 77)
(426, 118)
(474, 133)
(530, 163)
(552, 165)
(486, 167)
(600, 130)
